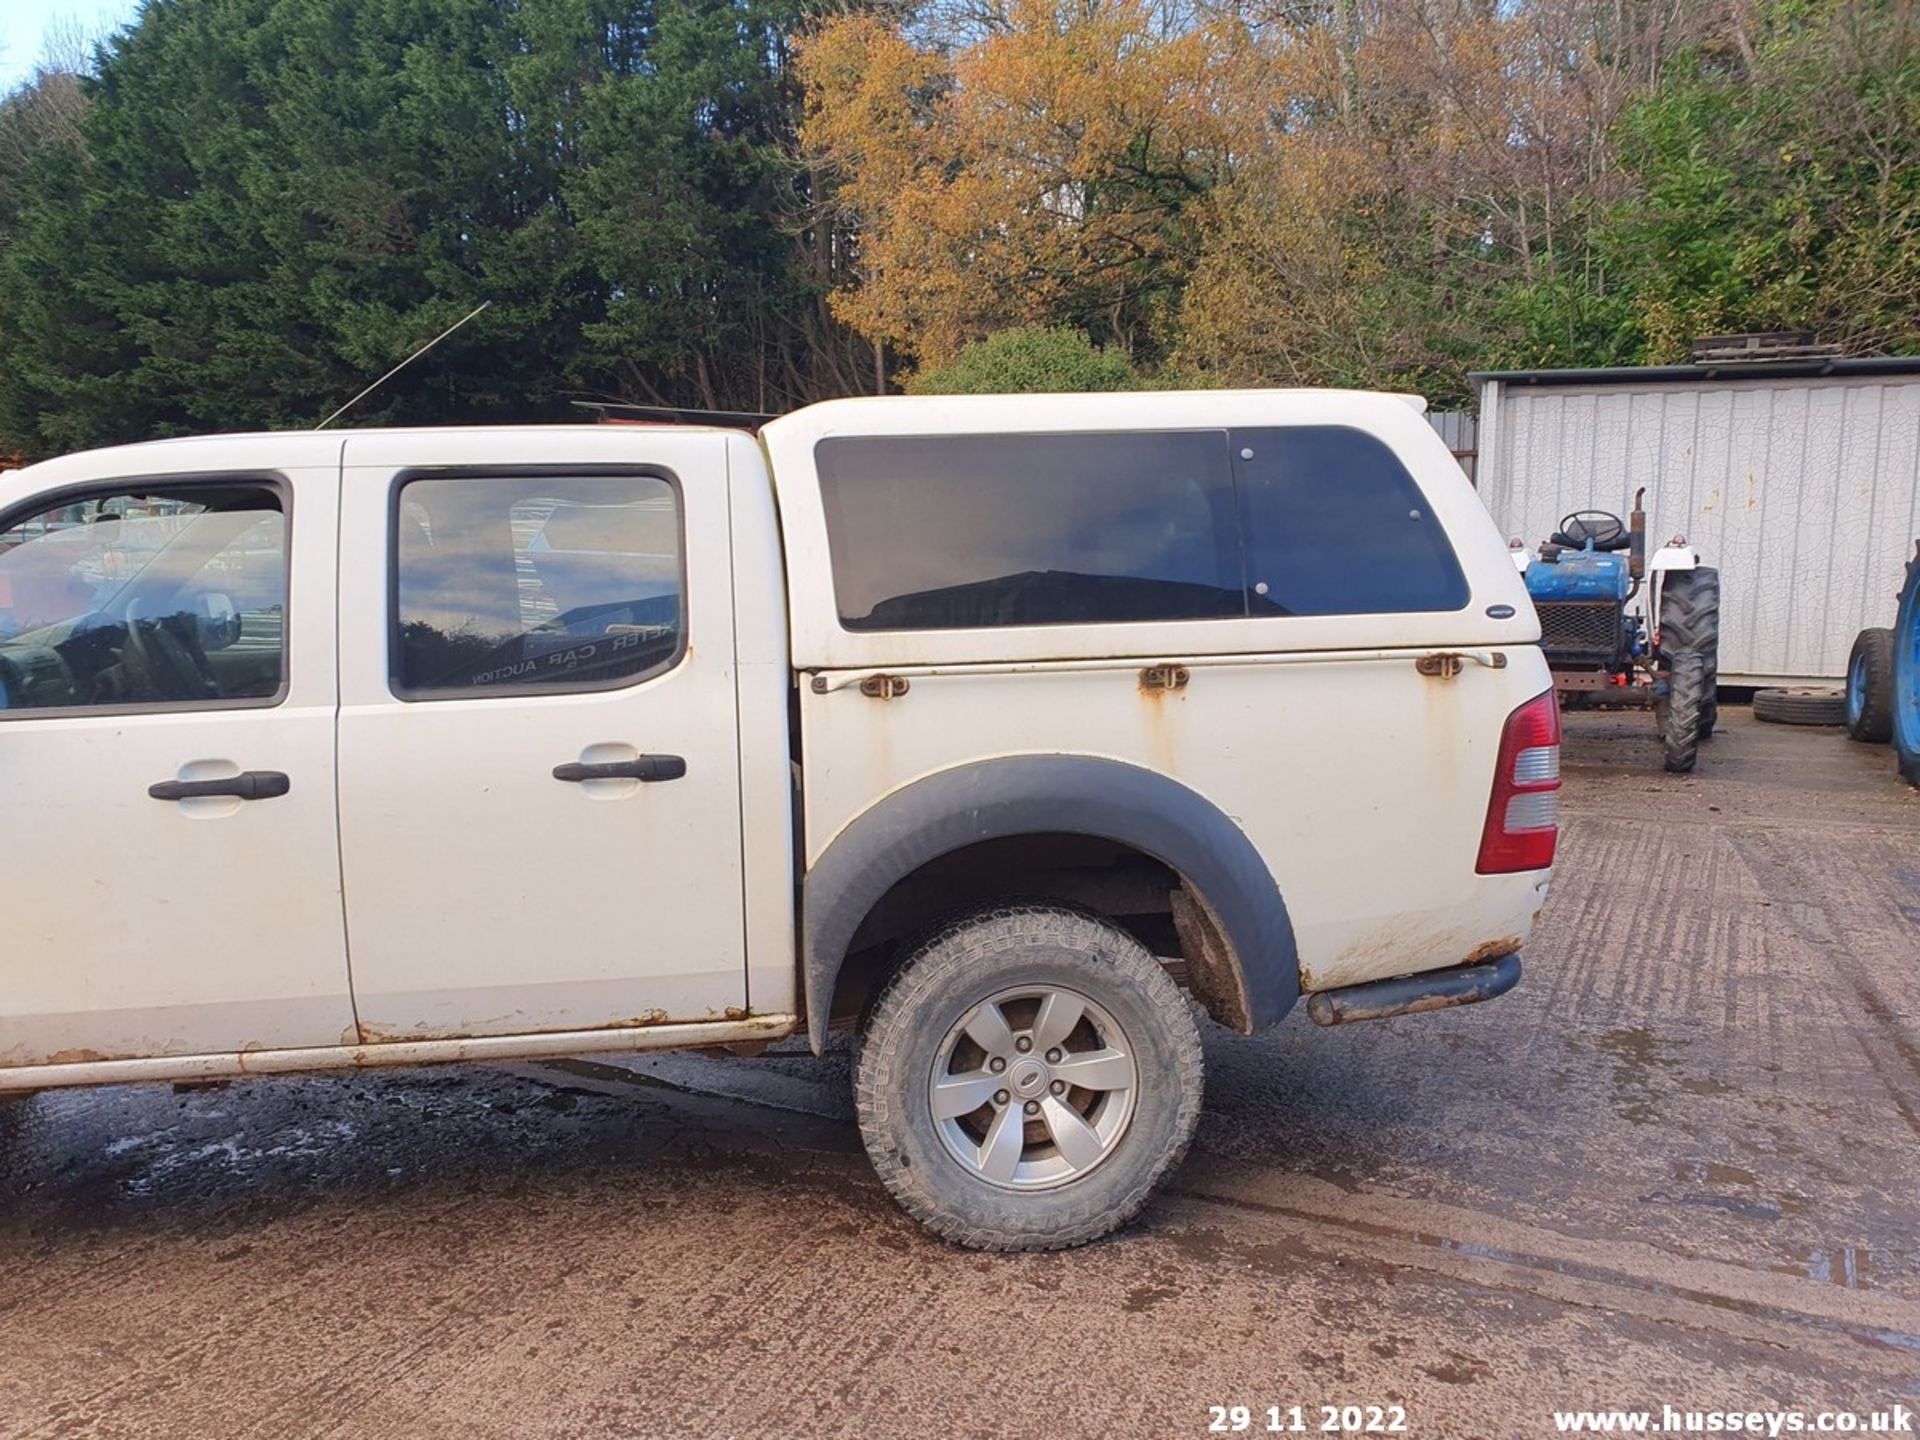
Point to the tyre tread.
(1800, 705)
(1690, 621)
(960, 948)
(1686, 702)
(1874, 649)
(1906, 675)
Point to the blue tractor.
(1618, 630)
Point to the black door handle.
(644, 767)
(247, 785)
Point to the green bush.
(1029, 359)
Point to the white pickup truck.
(1004, 731)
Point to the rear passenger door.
(539, 791)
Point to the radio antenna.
(403, 364)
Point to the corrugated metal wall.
(1461, 430)
(1806, 494)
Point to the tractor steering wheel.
(1602, 527)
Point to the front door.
(539, 777)
(167, 827)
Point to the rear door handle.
(642, 767)
(247, 785)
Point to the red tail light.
(1523, 815)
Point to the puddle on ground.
(1712, 1172)
(1142, 1298)
(1705, 1085)
(1715, 1173)
(1852, 1267)
(1754, 1208)
(1637, 1055)
(1852, 1270)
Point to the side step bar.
(1411, 994)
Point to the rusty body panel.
(373, 1034)
(1446, 664)
(1361, 779)
(1416, 994)
(1157, 679)
(89, 1068)
(1493, 949)
(1212, 971)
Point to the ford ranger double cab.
(1004, 732)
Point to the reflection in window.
(535, 582)
(172, 598)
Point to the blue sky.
(24, 25)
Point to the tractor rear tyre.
(1686, 703)
(1870, 687)
(1801, 705)
(1906, 674)
(1690, 621)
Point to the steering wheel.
(1602, 527)
(163, 660)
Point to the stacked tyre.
(1906, 674)
(1801, 705)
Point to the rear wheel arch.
(1232, 921)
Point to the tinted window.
(172, 598)
(523, 582)
(1335, 525)
(950, 532)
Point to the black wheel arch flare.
(1050, 794)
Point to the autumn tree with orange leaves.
(1370, 192)
(1048, 171)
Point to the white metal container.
(1799, 480)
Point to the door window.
(508, 583)
(167, 598)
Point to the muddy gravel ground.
(1680, 1164)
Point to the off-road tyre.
(989, 952)
(1690, 621)
(1710, 709)
(1686, 698)
(1801, 705)
(1870, 687)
